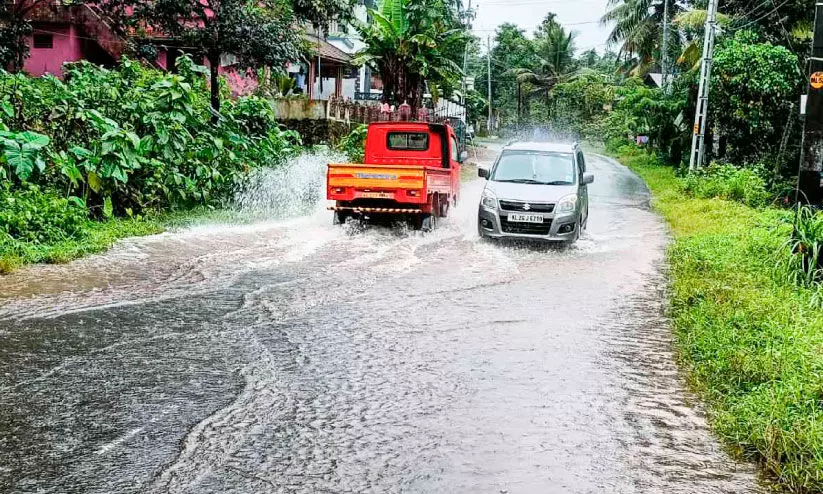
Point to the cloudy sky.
(582, 16)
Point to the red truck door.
(455, 165)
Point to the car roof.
(549, 147)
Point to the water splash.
(292, 190)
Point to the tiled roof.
(328, 51)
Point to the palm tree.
(638, 28)
(409, 46)
(555, 61)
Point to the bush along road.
(105, 154)
(746, 306)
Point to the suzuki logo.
(527, 207)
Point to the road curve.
(292, 356)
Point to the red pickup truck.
(411, 171)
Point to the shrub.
(133, 137)
(724, 181)
(31, 214)
(354, 144)
(804, 250)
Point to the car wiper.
(522, 181)
(559, 182)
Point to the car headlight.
(568, 204)
(489, 200)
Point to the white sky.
(582, 16)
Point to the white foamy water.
(294, 189)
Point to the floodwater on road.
(294, 356)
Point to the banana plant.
(411, 44)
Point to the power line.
(752, 12)
(762, 16)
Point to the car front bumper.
(556, 227)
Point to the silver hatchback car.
(536, 191)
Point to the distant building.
(653, 79)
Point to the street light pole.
(701, 115)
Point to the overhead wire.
(755, 21)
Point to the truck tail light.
(413, 193)
(339, 190)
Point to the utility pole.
(464, 85)
(466, 54)
(489, 62)
(808, 180)
(665, 48)
(701, 115)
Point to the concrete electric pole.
(811, 162)
(664, 49)
(489, 62)
(701, 115)
(466, 55)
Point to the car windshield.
(535, 168)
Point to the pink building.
(69, 33)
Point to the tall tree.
(512, 50)
(637, 26)
(554, 60)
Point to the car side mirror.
(464, 155)
(588, 178)
(483, 173)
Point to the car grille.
(526, 228)
(518, 206)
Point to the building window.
(45, 41)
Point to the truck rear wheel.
(429, 223)
(340, 217)
(444, 208)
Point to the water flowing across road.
(289, 355)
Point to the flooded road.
(294, 356)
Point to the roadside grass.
(750, 340)
(95, 237)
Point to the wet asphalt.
(294, 356)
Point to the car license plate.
(525, 218)
(377, 195)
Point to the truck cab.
(410, 170)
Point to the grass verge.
(94, 237)
(750, 340)
(98, 236)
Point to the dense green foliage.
(143, 138)
(753, 91)
(122, 142)
(723, 181)
(354, 144)
(748, 335)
